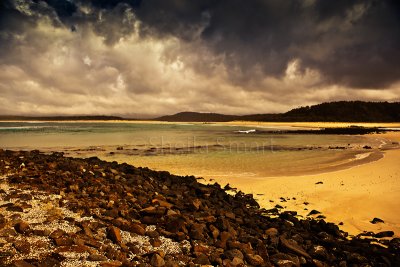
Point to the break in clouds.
(151, 57)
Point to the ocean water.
(204, 150)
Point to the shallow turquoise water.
(189, 149)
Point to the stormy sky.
(153, 57)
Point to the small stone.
(22, 246)
(57, 234)
(15, 209)
(114, 234)
(200, 248)
(156, 260)
(230, 254)
(214, 231)
(376, 220)
(6, 232)
(137, 229)
(202, 259)
(3, 221)
(255, 260)
(22, 263)
(285, 260)
(237, 262)
(52, 260)
(22, 227)
(152, 234)
(64, 241)
(155, 242)
(163, 203)
(294, 247)
(196, 203)
(97, 257)
(272, 236)
(319, 252)
(384, 234)
(196, 232)
(313, 212)
(154, 211)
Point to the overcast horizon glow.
(154, 57)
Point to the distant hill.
(343, 111)
(198, 117)
(60, 118)
(350, 111)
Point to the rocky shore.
(59, 211)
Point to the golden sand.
(353, 196)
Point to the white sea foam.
(362, 156)
(246, 131)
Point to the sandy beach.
(353, 196)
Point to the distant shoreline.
(349, 111)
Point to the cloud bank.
(132, 57)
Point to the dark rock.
(376, 220)
(52, 260)
(63, 241)
(175, 225)
(57, 234)
(196, 231)
(97, 257)
(292, 246)
(155, 242)
(137, 229)
(6, 232)
(220, 227)
(384, 234)
(21, 263)
(272, 236)
(22, 227)
(196, 203)
(313, 212)
(114, 234)
(202, 259)
(153, 211)
(3, 221)
(318, 252)
(22, 246)
(152, 234)
(15, 209)
(237, 262)
(156, 260)
(199, 248)
(255, 260)
(230, 254)
(285, 260)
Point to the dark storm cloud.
(115, 56)
(354, 43)
(63, 8)
(360, 39)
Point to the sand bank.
(353, 196)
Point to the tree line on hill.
(341, 111)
